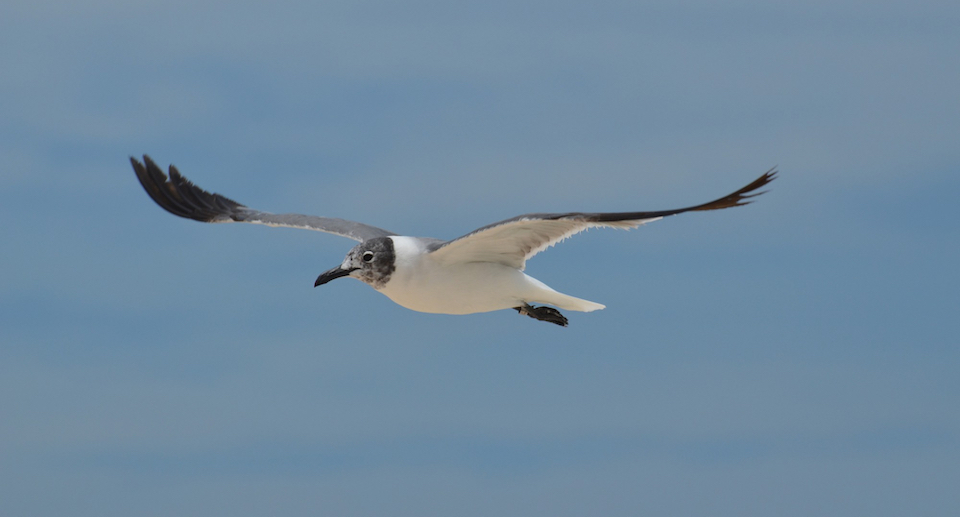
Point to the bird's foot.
(543, 314)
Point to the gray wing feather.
(181, 197)
(513, 241)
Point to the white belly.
(423, 284)
(458, 289)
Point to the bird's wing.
(181, 197)
(511, 242)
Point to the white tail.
(545, 294)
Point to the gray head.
(372, 261)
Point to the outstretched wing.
(181, 197)
(512, 241)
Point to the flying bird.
(481, 271)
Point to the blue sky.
(794, 357)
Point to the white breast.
(423, 284)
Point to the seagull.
(481, 271)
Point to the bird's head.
(372, 261)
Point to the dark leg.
(543, 314)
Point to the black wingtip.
(179, 196)
(742, 196)
(739, 198)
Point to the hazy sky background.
(795, 357)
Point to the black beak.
(332, 274)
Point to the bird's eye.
(367, 256)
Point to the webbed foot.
(543, 314)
